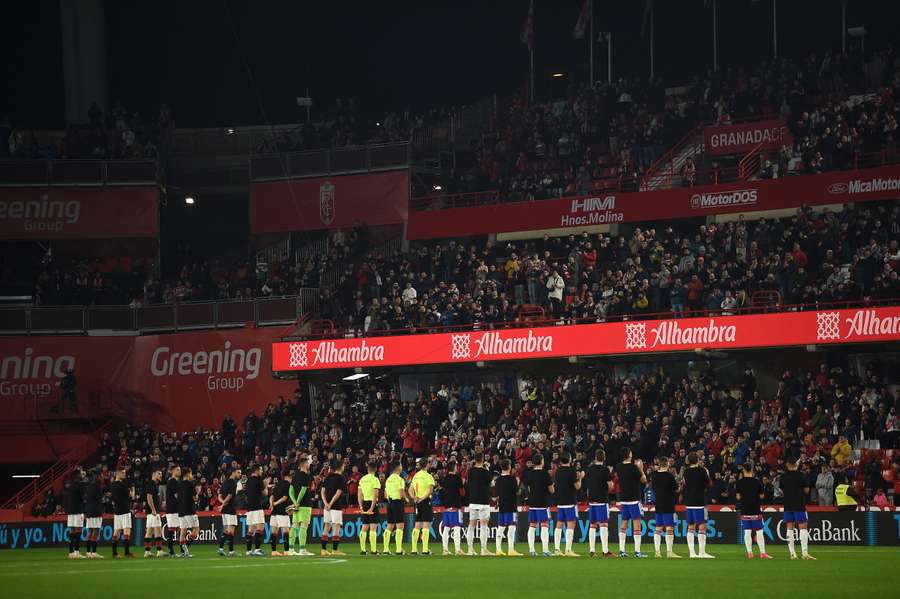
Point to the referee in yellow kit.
(367, 496)
(395, 493)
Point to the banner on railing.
(826, 527)
(329, 202)
(78, 212)
(740, 138)
(442, 220)
(175, 382)
(641, 336)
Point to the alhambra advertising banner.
(861, 529)
(78, 212)
(440, 218)
(174, 382)
(648, 336)
(371, 199)
(740, 138)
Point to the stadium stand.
(818, 414)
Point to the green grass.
(839, 572)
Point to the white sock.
(748, 540)
(670, 543)
(592, 540)
(499, 539)
(511, 534)
(531, 539)
(570, 537)
(445, 538)
(485, 532)
(790, 543)
(557, 536)
(457, 538)
(690, 543)
(545, 539)
(470, 536)
(761, 541)
(622, 536)
(702, 538)
(604, 539)
(656, 541)
(637, 543)
(804, 541)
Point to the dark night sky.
(385, 54)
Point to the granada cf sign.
(644, 336)
(329, 202)
(727, 140)
(78, 212)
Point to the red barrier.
(329, 202)
(78, 212)
(442, 220)
(647, 336)
(173, 382)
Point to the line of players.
(290, 503)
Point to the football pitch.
(838, 572)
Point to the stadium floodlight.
(189, 200)
(557, 75)
(356, 376)
(230, 131)
(438, 187)
(26, 475)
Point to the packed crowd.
(610, 135)
(819, 415)
(812, 257)
(117, 134)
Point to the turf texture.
(838, 572)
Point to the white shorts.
(479, 511)
(229, 520)
(172, 521)
(333, 517)
(280, 521)
(191, 521)
(122, 522)
(256, 517)
(75, 520)
(94, 522)
(154, 521)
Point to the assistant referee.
(395, 493)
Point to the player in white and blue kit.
(599, 484)
(795, 486)
(696, 483)
(631, 477)
(540, 487)
(567, 484)
(451, 499)
(665, 490)
(507, 487)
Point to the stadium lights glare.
(229, 131)
(557, 75)
(189, 200)
(356, 376)
(438, 188)
(26, 475)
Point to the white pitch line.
(221, 567)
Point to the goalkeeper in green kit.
(301, 504)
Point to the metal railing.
(527, 321)
(357, 159)
(184, 316)
(63, 467)
(21, 173)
